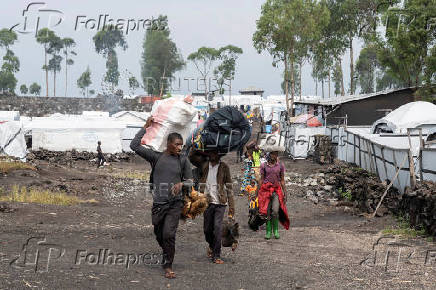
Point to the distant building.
(357, 109)
(251, 91)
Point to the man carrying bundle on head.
(216, 182)
(170, 175)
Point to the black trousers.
(165, 220)
(213, 225)
(100, 160)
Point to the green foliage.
(105, 42)
(23, 89)
(84, 81)
(288, 29)
(68, 44)
(7, 38)
(35, 89)
(203, 59)
(11, 64)
(225, 71)
(133, 84)
(345, 194)
(161, 59)
(112, 74)
(366, 67)
(407, 46)
(337, 78)
(404, 229)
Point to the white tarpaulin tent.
(129, 117)
(271, 112)
(77, 132)
(302, 140)
(12, 141)
(9, 116)
(411, 115)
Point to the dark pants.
(273, 207)
(240, 153)
(213, 225)
(165, 219)
(100, 160)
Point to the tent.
(9, 116)
(12, 141)
(411, 115)
(77, 132)
(131, 116)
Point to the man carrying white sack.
(170, 174)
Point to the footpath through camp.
(105, 239)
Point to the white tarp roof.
(411, 115)
(131, 115)
(12, 142)
(95, 113)
(9, 116)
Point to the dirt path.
(325, 248)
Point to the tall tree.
(68, 43)
(84, 81)
(409, 41)
(366, 68)
(23, 89)
(204, 59)
(337, 78)
(286, 29)
(105, 42)
(161, 59)
(35, 89)
(133, 84)
(44, 37)
(11, 64)
(225, 71)
(54, 64)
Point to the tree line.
(160, 60)
(399, 43)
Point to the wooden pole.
(411, 163)
(389, 186)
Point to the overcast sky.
(193, 24)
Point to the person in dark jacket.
(171, 175)
(100, 157)
(216, 182)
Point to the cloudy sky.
(193, 24)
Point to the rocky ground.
(330, 245)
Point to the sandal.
(218, 261)
(170, 275)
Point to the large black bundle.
(225, 130)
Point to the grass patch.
(404, 229)
(9, 166)
(142, 175)
(345, 194)
(34, 195)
